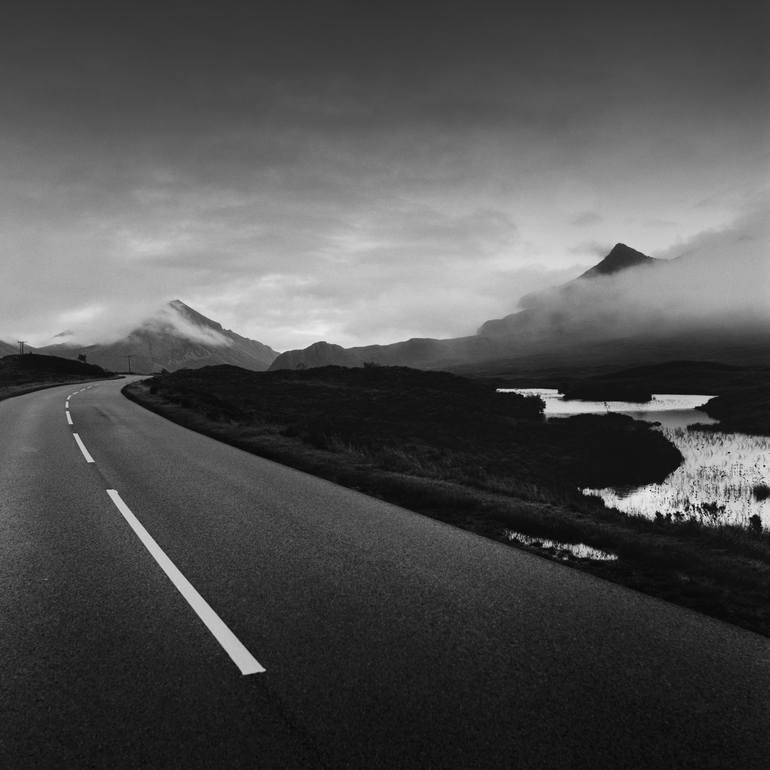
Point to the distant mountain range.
(629, 308)
(176, 337)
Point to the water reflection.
(559, 550)
(675, 406)
(715, 482)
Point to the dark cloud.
(238, 154)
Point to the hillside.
(421, 353)
(176, 337)
(21, 374)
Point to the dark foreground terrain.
(744, 410)
(389, 639)
(455, 450)
(23, 374)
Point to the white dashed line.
(83, 449)
(243, 659)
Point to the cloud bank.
(717, 283)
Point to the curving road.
(387, 639)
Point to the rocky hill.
(620, 258)
(176, 337)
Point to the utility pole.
(22, 343)
(129, 363)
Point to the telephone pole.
(129, 363)
(22, 343)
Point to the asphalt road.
(388, 639)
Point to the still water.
(714, 483)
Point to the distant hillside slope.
(177, 337)
(420, 353)
(627, 309)
(6, 349)
(32, 368)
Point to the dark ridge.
(35, 366)
(676, 366)
(620, 258)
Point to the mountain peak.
(175, 337)
(620, 258)
(192, 315)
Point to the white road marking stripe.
(83, 449)
(69, 416)
(246, 662)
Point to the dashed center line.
(82, 447)
(243, 659)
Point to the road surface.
(175, 602)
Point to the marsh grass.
(714, 484)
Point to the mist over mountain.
(175, 337)
(719, 287)
(710, 302)
(621, 257)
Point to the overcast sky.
(361, 171)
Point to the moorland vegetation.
(454, 449)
